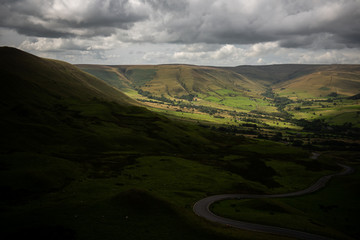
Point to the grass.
(280, 124)
(327, 79)
(140, 77)
(288, 178)
(238, 100)
(345, 117)
(108, 76)
(337, 112)
(187, 180)
(193, 116)
(97, 209)
(152, 193)
(332, 211)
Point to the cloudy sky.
(202, 32)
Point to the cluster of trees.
(269, 93)
(280, 102)
(181, 104)
(319, 125)
(189, 97)
(149, 95)
(200, 108)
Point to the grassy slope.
(68, 137)
(332, 211)
(178, 80)
(342, 79)
(271, 74)
(77, 157)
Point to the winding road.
(201, 208)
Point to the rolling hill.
(238, 93)
(343, 80)
(272, 74)
(81, 160)
(174, 80)
(78, 147)
(178, 80)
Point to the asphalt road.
(201, 208)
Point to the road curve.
(202, 209)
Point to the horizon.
(203, 33)
(188, 64)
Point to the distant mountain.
(324, 80)
(174, 80)
(249, 81)
(272, 74)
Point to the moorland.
(123, 152)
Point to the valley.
(124, 152)
(277, 102)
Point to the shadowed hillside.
(70, 136)
(81, 160)
(24, 74)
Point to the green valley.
(124, 152)
(260, 101)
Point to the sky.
(200, 32)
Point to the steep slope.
(25, 73)
(59, 123)
(112, 75)
(52, 106)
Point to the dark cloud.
(325, 24)
(43, 18)
(166, 6)
(293, 23)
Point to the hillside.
(43, 97)
(199, 91)
(174, 81)
(76, 146)
(81, 160)
(24, 73)
(272, 74)
(177, 81)
(340, 79)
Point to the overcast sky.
(202, 32)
